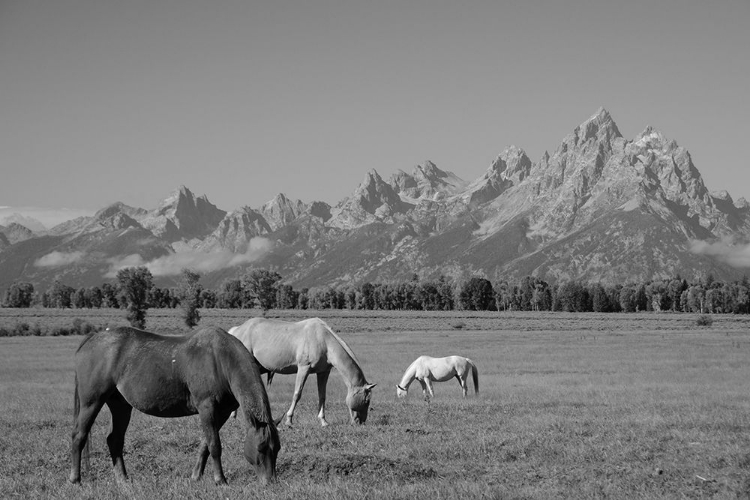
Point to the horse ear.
(369, 387)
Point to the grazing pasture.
(570, 405)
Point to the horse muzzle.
(266, 474)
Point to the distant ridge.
(599, 207)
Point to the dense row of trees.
(135, 291)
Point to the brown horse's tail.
(76, 410)
(475, 376)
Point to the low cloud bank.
(57, 259)
(172, 265)
(736, 255)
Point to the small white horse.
(426, 370)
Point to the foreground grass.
(627, 406)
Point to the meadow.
(570, 406)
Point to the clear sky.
(104, 101)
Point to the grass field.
(570, 406)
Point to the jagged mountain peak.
(429, 170)
(176, 198)
(280, 211)
(119, 207)
(182, 216)
(374, 199)
(26, 221)
(426, 181)
(509, 169)
(16, 232)
(599, 126)
(512, 164)
(235, 231)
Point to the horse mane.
(340, 341)
(85, 339)
(412, 365)
(240, 371)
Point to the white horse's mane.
(412, 365)
(341, 341)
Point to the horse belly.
(277, 361)
(438, 374)
(164, 399)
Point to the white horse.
(305, 347)
(426, 369)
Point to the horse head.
(262, 444)
(358, 401)
(400, 391)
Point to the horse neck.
(409, 375)
(342, 359)
(251, 396)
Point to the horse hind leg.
(121, 412)
(462, 383)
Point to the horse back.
(281, 346)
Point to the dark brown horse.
(207, 372)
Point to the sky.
(242, 100)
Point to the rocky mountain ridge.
(600, 207)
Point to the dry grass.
(583, 406)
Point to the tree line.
(135, 291)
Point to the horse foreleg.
(322, 383)
(121, 412)
(200, 465)
(83, 422)
(299, 384)
(211, 421)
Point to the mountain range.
(599, 208)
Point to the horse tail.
(76, 402)
(269, 378)
(475, 376)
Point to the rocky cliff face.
(236, 230)
(280, 211)
(182, 216)
(374, 200)
(426, 182)
(600, 207)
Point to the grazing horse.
(305, 347)
(205, 372)
(426, 370)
